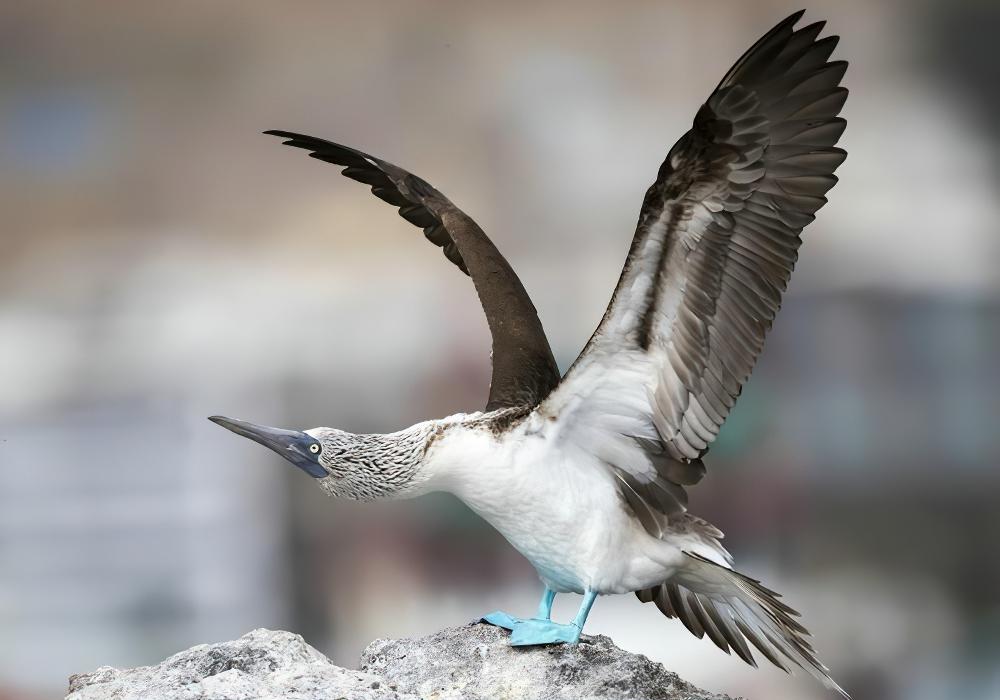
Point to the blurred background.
(162, 261)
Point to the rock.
(262, 664)
(473, 662)
(476, 663)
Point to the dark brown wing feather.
(729, 206)
(717, 238)
(524, 370)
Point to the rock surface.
(472, 662)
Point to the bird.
(586, 473)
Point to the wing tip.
(295, 140)
(794, 17)
(283, 134)
(788, 23)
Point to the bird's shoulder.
(491, 424)
(480, 435)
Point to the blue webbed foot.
(533, 632)
(502, 619)
(541, 629)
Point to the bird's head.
(345, 465)
(313, 451)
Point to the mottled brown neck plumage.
(373, 466)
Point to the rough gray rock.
(262, 664)
(476, 663)
(472, 662)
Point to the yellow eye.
(314, 448)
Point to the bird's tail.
(733, 609)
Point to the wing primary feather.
(718, 236)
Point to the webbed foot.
(541, 629)
(535, 631)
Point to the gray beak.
(290, 444)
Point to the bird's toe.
(502, 619)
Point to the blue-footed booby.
(585, 474)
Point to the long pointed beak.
(293, 445)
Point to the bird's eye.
(314, 448)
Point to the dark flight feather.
(717, 238)
(524, 370)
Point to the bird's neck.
(376, 466)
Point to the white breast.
(561, 511)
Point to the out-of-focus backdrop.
(161, 261)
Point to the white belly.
(563, 514)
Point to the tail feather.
(733, 609)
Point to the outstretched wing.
(524, 370)
(717, 238)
